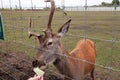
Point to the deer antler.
(30, 32)
(51, 13)
(49, 30)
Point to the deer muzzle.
(40, 64)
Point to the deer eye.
(50, 43)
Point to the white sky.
(41, 3)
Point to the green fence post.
(1, 28)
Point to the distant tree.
(115, 2)
(105, 4)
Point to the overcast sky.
(41, 3)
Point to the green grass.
(102, 25)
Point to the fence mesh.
(100, 24)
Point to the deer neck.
(62, 63)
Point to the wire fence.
(87, 22)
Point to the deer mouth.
(39, 64)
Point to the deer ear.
(64, 29)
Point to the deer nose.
(35, 63)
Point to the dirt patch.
(17, 66)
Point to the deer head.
(50, 45)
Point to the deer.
(75, 64)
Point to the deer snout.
(40, 64)
(35, 63)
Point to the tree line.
(113, 3)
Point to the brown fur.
(75, 64)
(84, 50)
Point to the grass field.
(101, 27)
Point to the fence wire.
(20, 31)
(34, 47)
(77, 59)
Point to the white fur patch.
(60, 34)
(50, 40)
